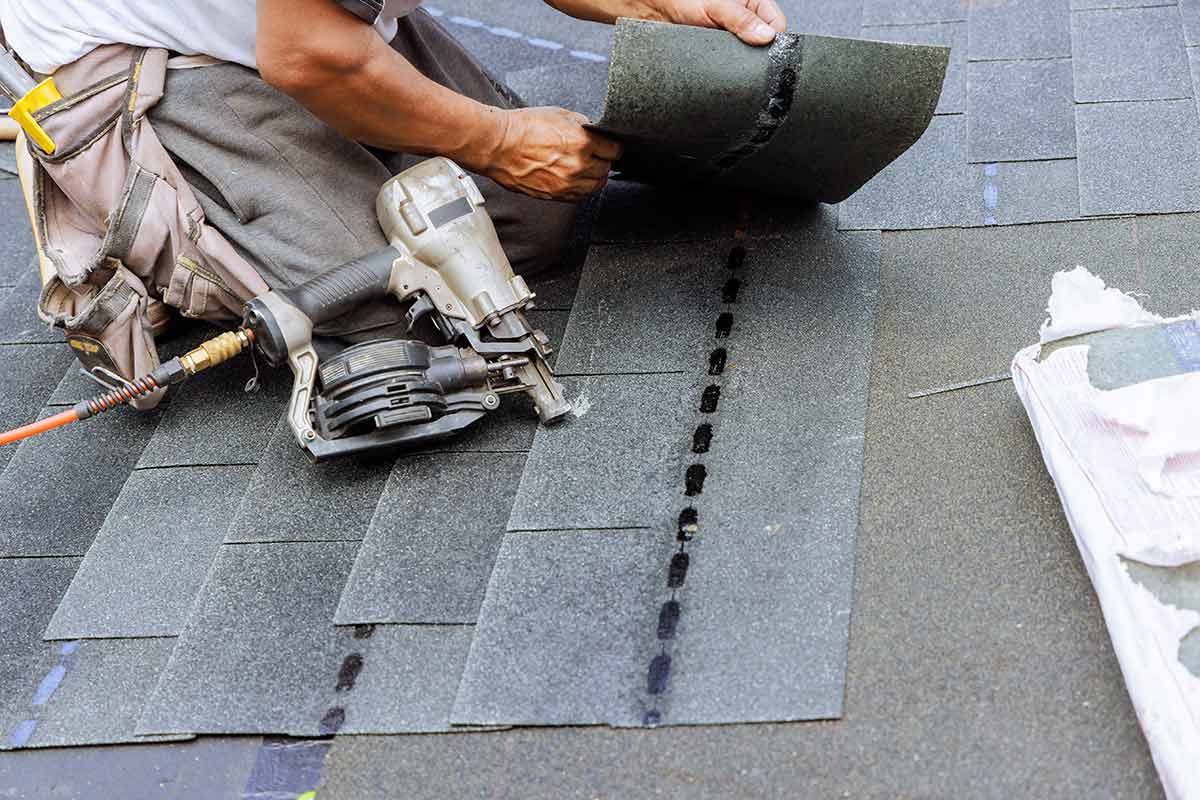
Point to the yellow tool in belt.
(28, 98)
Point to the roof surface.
(882, 589)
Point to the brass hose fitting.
(215, 351)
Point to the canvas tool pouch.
(118, 222)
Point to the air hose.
(210, 353)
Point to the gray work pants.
(297, 198)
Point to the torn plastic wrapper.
(1126, 462)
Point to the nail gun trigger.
(421, 307)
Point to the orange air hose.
(41, 426)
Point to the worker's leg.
(298, 198)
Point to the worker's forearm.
(370, 93)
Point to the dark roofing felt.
(900, 565)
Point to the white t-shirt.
(48, 35)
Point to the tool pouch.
(120, 225)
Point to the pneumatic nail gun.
(445, 257)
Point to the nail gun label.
(1184, 339)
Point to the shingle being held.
(808, 117)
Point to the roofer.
(281, 118)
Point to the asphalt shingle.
(425, 560)
(291, 499)
(1129, 54)
(409, 677)
(19, 322)
(32, 588)
(211, 419)
(926, 187)
(988, 297)
(945, 34)
(17, 253)
(100, 695)
(144, 568)
(1138, 158)
(260, 653)
(567, 630)
(911, 12)
(58, 487)
(1189, 11)
(824, 17)
(36, 369)
(1020, 111)
(1018, 192)
(1019, 29)
(616, 462)
(607, 334)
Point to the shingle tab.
(1018, 192)
(826, 17)
(1020, 111)
(19, 322)
(607, 334)
(1019, 29)
(35, 369)
(616, 462)
(409, 678)
(144, 569)
(1129, 54)
(426, 560)
(100, 695)
(566, 630)
(910, 12)
(17, 253)
(1138, 158)
(946, 34)
(926, 187)
(1189, 11)
(988, 297)
(58, 487)
(291, 499)
(211, 419)
(260, 653)
(31, 589)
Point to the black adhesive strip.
(658, 672)
(729, 292)
(783, 70)
(716, 361)
(724, 324)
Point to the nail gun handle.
(345, 288)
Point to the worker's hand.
(547, 153)
(754, 21)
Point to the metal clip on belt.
(28, 98)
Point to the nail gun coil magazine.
(387, 382)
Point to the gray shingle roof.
(283, 598)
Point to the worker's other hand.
(753, 21)
(547, 153)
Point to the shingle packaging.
(808, 117)
(1111, 392)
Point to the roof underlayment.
(900, 567)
